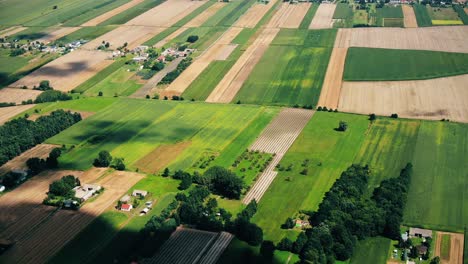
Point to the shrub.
(394, 115)
(342, 126)
(192, 38)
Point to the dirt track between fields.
(426, 99)
(99, 19)
(323, 17)
(12, 95)
(254, 14)
(19, 163)
(456, 248)
(289, 15)
(6, 113)
(409, 17)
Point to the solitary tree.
(342, 126)
(104, 159)
(119, 164)
(372, 117)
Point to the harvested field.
(227, 50)
(19, 163)
(132, 35)
(289, 15)
(81, 64)
(254, 14)
(56, 34)
(456, 248)
(62, 226)
(200, 247)
(11, 31)
(323, 17)
(6, 113)
(162, 156)
(277, 138)
(205, 15)
(173, 35)
(448, 38)
(427, 99)
(409, 16)
(11, 95)
(165, 14)
(99, 19)
(191, 73)
(331, 89)
(235, 78)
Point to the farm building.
(140, 193)
(420, 232)
(86, 191)
(144, 211)
(126, 207)
(125, 199)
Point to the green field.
(461, 13)
(308, 17)
(132, 12)
(422, 16)
(445, 247)
(290, 74)
(85, 33)
(329, 152)
(368, 64)
(122, 82)
(389, 16)
(227, 15)
(437, 197)
(371, 250)
(343, 12)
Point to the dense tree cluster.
(37, 165)
(3, 104)
(223, 182)
(244, 229)
(171, 76)
(52, 96)
(104, 159)
(19, 135)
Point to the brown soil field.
(235, 78)
(50, 235)
(254, 14)
(11, 31)
(68, 71)
(56, 34)
(409, 17)
(165, 14)
(170, 37)
(12, 95)
(205, 15)
(200, 63)
(6, 113)
(323, 17)
(331, 88)
(289, 15)
(443, 38)
(160, 157)
(19, 163)
(132, 35)
(99, 19)
(427, 99)
(456, 248)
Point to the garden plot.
(428, 99)
(235, 78)
(323, 17)
(165, 14)
(455, 251)
(56, 34)
(289, 15)
(254, 14)
(205, 15)
(99, 19)
(68, 71)
(11, 95)
(409, 17)
(19, 163)
(51, 235)
(6, 113)
(277, 138)
(199, 64)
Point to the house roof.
(126, 206)
(139, 192)
(421, 231)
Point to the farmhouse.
(86, 191)
(140, 193)
(419, 232)
(126, 207)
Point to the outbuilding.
(140, 193)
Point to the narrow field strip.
(409, 17)
(255, 13)
(6, 113)
(99, 19)
(11, 31)
(205, 15)
(56, 34)
(12, 95)
(331, 89)
(217, 249)
(323, 17)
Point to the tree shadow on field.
(31, 36)
(67, 69)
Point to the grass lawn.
(122, 82)
(329, 153)
(290, 74)
(368, 64)
(422, 16)
(371, 250)
(439, 178)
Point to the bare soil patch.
(6, 113)
(205, 15)
(409, 17)
(427, 99)
(19, 162)
(456, 248)
(254, 14)
(99, 19)
(68, 71)
(289, 15)
(324, 17)
(331, 88)
(56, 34)
(235, 78)
(160, 157)
(11, 95)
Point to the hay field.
(456, 248)
(56, 34)
(254, 14)
(289, 15)
(409, 17)
(205, 15)
(12, 95)
(165, 14)
(6, 113)
(323, 17)
(99, 19)
(81, 64)
(427, 99)
(19, 163)
(235, 78)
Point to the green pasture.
(122, 82)
(290, 74)
(100, 76)
(437, 197)
(422, 16)
(371, 250)
(369, 64)
(329, 153)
